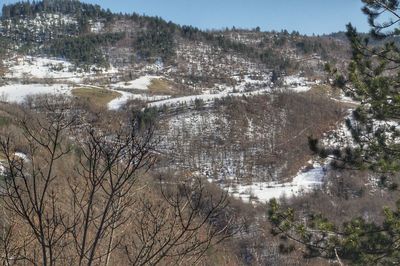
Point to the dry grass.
(99, 97)
(162, 87)
(329, 91)
(324, 90)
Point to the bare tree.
(74, 196)
(28, 184)
(108, 169)
(180, 227)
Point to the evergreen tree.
(373, 79)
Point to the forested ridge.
(31, 27)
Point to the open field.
(99, 97)
(161, 87)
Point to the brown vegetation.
(79, 197)
(95, 96)
(260, 138)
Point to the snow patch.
(18, 92)
(304, 181)
(126, 96)
(296, 83)
(141, 83)
(21, 155)
(29, 67)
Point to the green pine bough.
(373, 79)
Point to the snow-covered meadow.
(141, 83)
(18, 93)
(54, 69)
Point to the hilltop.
(87, 35)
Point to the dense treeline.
(267, 56)
(84, 50)
(82, 12)
(158, 41)
(155, 42)
(27, 9)
(153, 38)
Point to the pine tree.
(373, 79)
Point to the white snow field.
(120, 101)
(141, 83)
(304, 181)
(49, 68)
(126, 96)
(18, 92)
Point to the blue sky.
(306, 16)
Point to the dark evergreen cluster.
(307, 46)
(67, 40)
(84, 50)
(157, 41)
(272, 59)
(4, 46)
(30, 9)
(32, 35)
